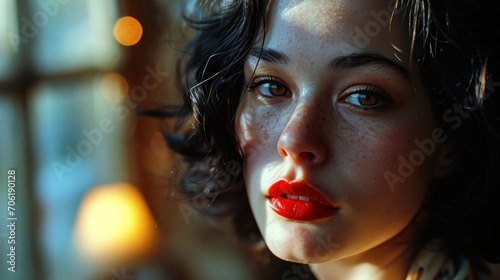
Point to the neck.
(390, 260)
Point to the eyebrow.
(350, 61)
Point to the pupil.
(367, 100)
(276, 89)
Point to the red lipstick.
(299, 201)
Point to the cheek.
(381, 149)
(368, 192)
(258, 132)
(375, 157)
(373, 147)
(368, 166)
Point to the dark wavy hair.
(456, 61)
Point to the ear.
(446, 160)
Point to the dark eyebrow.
(342, 62)
(269, 55)
(360, 59)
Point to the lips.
(299, 201)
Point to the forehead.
(364, 25)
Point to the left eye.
(273, 89)
(268, 87)
(368, 99)
(363, 99)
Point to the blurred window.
(62, 130)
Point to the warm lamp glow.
(127, 31)
(113, 87)
(114, 223)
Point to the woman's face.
(337, 116)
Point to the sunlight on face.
(326, 18)
(334, 109)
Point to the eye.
(368, 98)
(268, 87)
(363, 99)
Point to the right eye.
(269, 87)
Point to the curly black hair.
(457, 63)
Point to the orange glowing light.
(114, 224)
(127, 31)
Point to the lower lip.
(300, 210)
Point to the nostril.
(307, 155)
(283, 153)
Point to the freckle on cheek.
(262, 132)
(266, 125)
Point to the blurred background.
(94, 190)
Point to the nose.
(302, 140)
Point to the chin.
(300, 253)
(300, 242)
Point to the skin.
(318, 131)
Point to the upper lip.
(300, 190)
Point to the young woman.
(367, 133)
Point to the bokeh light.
(127, 31)
(113, 87)
(114, 224)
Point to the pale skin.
(339, 126)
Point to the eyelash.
(365, 89)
